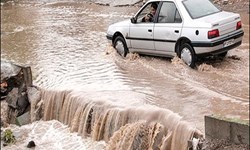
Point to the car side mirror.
(133, 20)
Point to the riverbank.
(47, 44)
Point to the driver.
(150, 16)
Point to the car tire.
(121, 46)
(223, 55)
(187, 55)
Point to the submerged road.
(65, 45)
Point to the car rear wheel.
(120, 46)
(187, 55)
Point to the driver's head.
(153, 8)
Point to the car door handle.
(176, 31)
(149, 30)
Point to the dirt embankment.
(233, 5)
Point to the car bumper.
(109, 37)
(219, 46)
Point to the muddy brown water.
(65, 45)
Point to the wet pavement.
(65, 45)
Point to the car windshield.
(200, 8)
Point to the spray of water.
(122, 127)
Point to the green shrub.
(8, 137)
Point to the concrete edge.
(222, 128)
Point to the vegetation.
(236, 120)
(8, 137)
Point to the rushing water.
(65, 45)
(122, 127)
(51, 135)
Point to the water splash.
(177, 61)
(50, 135)
(143, 127)
(18, 29)
(109, 50)
(234, 57)
(133, 56)
(206, 68)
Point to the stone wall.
(220, 128)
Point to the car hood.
(122, 23)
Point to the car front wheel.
(120, 46)
(187, 55)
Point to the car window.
(146, 10)
(169, 13)
(200, 8)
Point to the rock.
(225, 2)
(27, 75)
(34, 97)
(12, 98)
(34, 94)
(8, 70)
(1, 123)
(22, 103)
(38, 113)
(23, 119)
(4, 113)
(31, 144)
(17, 78)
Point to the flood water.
(65, 45)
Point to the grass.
(236, 120)
(8, 137)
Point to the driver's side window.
(146, 10)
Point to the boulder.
(23, 119)
(34, 97)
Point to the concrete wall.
(217, 128)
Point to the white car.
(186, 28)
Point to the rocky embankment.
(233, 5)
(18, 95)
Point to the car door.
(141, 33)
(141, 36)
(168, 28)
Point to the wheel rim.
(120, 47)
(186, 56)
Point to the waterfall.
(122, 127)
